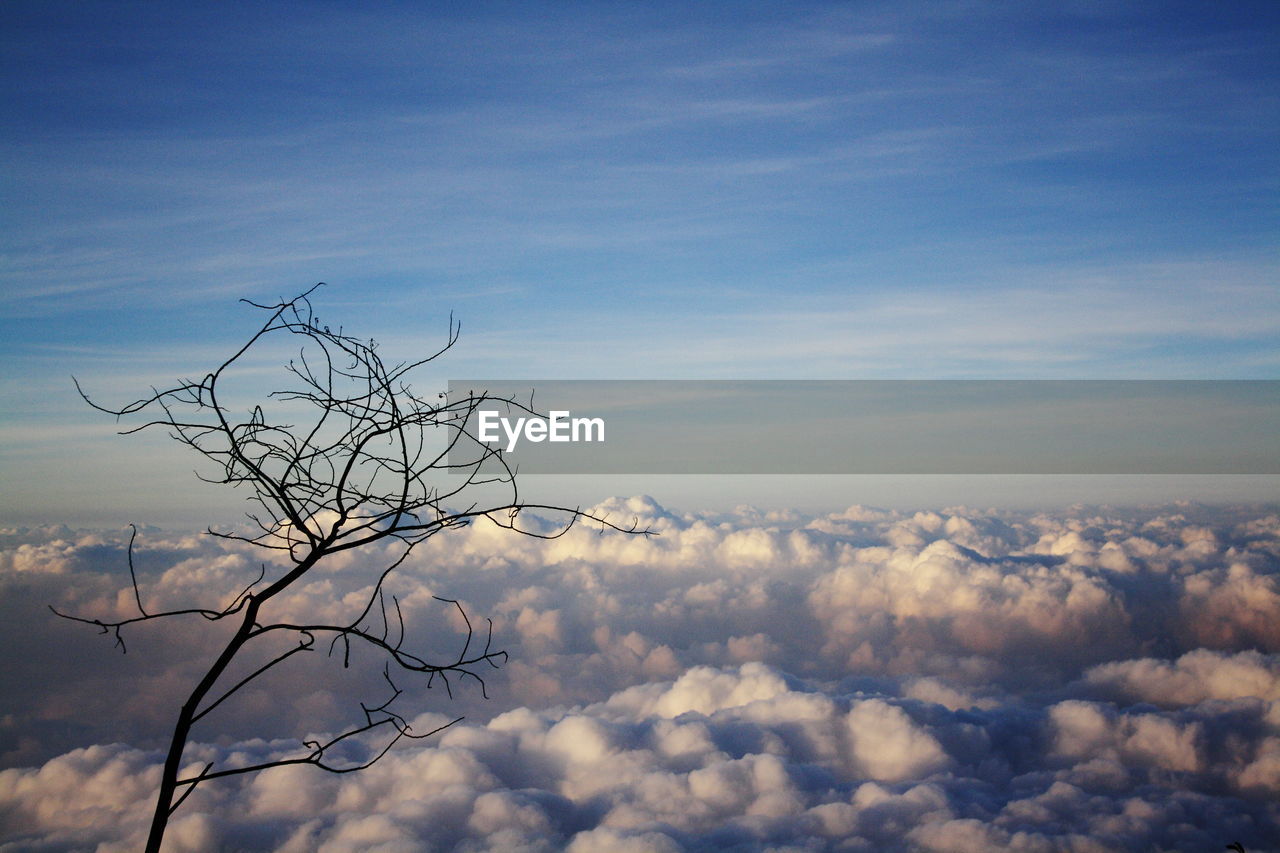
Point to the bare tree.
(362, 459)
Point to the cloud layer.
(860, 680)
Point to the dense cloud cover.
(864, 680)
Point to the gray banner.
(872, 426)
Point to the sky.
(1084, 189)
(654, 190)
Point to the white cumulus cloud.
(864, 680)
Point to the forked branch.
(345, 455)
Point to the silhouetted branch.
(357, 459)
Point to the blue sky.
(657, 190)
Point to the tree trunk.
(182, 728)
